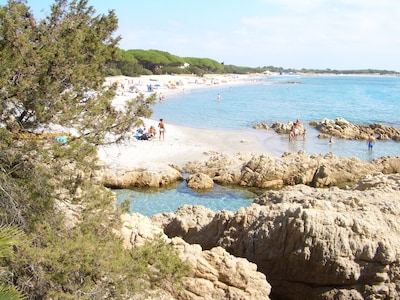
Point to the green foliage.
(9, 237)
(149, 62)
(47, 188)
(206, 64)
(89, 262)
(160, 262)
(48, 66)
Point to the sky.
(311, 34)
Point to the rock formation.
(310, 243)
(254, 170)
(215, 274)
(200, 181)
(264, 171)
(342, 128)
(153, 177)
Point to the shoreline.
(181, 145)
(184, 144)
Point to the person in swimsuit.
(161, 126)
(371, 142)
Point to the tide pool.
(149, 202)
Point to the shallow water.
(149, 202)
(358, 99)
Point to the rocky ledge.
(310, 243)
(253, 170)
(264, 171)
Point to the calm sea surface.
(358, 99)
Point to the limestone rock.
(200, 181)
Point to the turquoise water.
(150, 202)
(358, 99)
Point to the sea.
(361, 100)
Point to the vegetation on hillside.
(149, 62)
(67, 249)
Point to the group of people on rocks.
(295, 131)
(144, 135)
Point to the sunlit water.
(359, 99)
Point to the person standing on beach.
(161, 126)
(371, 142)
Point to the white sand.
(181, 144)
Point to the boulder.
(155, 176)
(214, 274)
(221, 168)
(200, 181)
(261, 126)
(286, 128)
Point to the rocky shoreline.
(255, 170)
(340, 128)
(309, 239)
(296, 243)
(326, 228)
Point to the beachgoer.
(138, 133)
(145, 135)
(371, 142)
(294, 131)
(291, 136)
(218, 97)
(304, 135)
(152, 132)
(331, 140)
(161, 126)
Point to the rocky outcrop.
(261, 126)
(214, 274)
(252, 170)
(200, 181)
(342, 128)
(265, 171)
(286, 128)
(156, 176)
(311, 243)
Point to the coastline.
(182, 144)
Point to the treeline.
(155, 62)
(138, 62)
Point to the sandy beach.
(181, 144)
